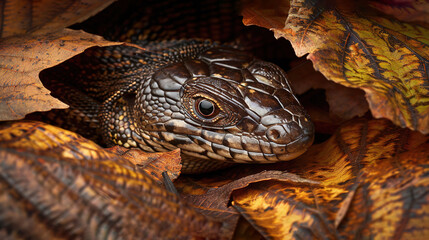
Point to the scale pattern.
(148, 99)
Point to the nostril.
(278, 134)
(274, 133)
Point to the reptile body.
(219, 105)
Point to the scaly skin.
(149, 99)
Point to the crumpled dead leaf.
(79, 190)
(211, 195)
(33, 38)
(154, 164)
(373, 183)
(384, 57)
(45, 16)
(404, 10)
(22, 58)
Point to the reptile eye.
(205, 108)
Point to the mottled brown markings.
(2, 15)
(401, 140)
(409, 205)
(15, 212)
(32, 194)
(354, 157)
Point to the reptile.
(220, 105)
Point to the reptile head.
(222, 105)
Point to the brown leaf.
(373, 183)
(56, 184)
(45, 16)
(351, 45)
(404, 10)
(344, 103)
(245, 231)
(154, 164)
(212, 198)
(22, 58)
(268, 14)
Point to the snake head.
(222, 105)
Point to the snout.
(290, 134)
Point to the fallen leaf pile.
(365, 177)
(56, 184)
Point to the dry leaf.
(33, 38)
(344, 103)
(373, 184)
(386, 58)
(245, 231)
(405, 10)
(22, 58)
(268, 14)
(211, 196)
(56, 184)
(45, 16)
(154, 164)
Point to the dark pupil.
(206, 107)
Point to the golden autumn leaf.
(56, 184)
(154, 164)
(373, 184)
(350, 45)
(211, 194)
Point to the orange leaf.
(211, 195)
(386, 58)
(268, 14)
(153, 164)
(78, 190)
(22, 58)
(45, 16)
(373, 183)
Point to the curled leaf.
(344, 103)
(373, 183)
(405, 10)
(153, 164)
(56, 184)
(45, 16)
(385, 57)
(22, 58)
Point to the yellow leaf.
(373, 184)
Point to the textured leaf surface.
(385, 57)
(405, 10)
(344, 103)
(153, 164)
(57, 185)
(373, 184)
(45, 16)
(211, 195)
(22, 58)
(268, 14)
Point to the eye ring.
(206, 108)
